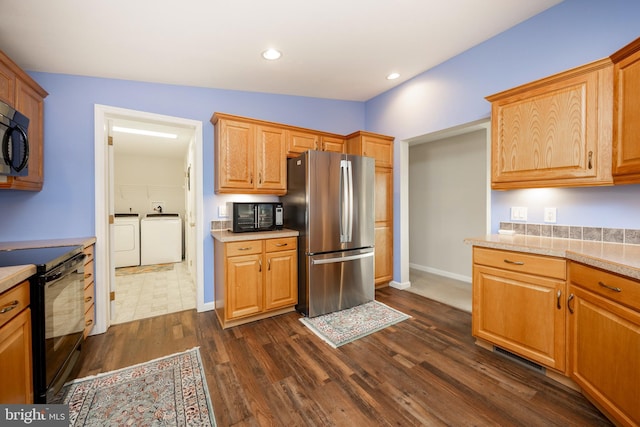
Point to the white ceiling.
(336, 49)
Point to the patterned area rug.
(137, 269)
(348, 325)
(170, 391)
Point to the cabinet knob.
(7, 308)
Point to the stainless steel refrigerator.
(330, 201)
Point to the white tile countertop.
(617, 258)
(229, 236)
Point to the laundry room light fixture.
(145, 132)
(271, 54)
(393, 76)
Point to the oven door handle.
(63, 269)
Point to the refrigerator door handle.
(341, 259)
(346, 201)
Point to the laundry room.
(149, 196)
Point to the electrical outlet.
(550, 215)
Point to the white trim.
(102, 250)
(443, 273)
(400, 285)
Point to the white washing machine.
(160, 239)
(126, 240)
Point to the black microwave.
(15, 144)
(255, 216)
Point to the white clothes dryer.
(161, 239)
(127, 240)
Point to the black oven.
(57, 313)
(14, 140)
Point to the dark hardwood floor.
(424, 371)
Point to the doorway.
(136, 196)
(448, 201)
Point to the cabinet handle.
(279, 245)
(7, 308)
(244, 249)
(260, 266)
(269, 265)
(88, 322)
(251, 178)
(558, 299)
(508, 261)
(571, 297)
(611, 288)
(590, 159)
(259, 177)
(86, 276)
(88, 299)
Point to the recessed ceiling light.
(393, 76)
(145, 132)
(271, 54)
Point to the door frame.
(104, 194)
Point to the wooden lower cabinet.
(518, 304)
(604, 341)
(15, 346)
(255, 279)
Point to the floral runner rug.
(169, 391)
(345, 326)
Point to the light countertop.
(11, 276)
(618, 258)
(229, 236)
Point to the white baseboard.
(207, 306)
(399, 285)
(448, 274)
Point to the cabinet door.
(15, 360)
(556, 133)
(626, 125)
(281, 284)
(383, 267)
(521, 313)
(244, 286)
(299, 142)
(271, 159)
(333, 144)
(604, 353)
(31, 104)
(380, 149)
(235, 156)
(7, 84)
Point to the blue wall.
(65, 206)
(570, 34)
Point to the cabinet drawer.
(617, 288)
(282, 244)
(13, 301)
(89, 320)
(247, 247)
(525, 263)
(89, 251)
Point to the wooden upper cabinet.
(299, 141)
(332, 143)
(7, 84)
(626, 121)
(554, 132)
(380, 147)
(250, 157)
(21, 92)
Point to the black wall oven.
(57, 313)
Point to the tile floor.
(448, 291)
(151, 294)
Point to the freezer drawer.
(336, 281)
